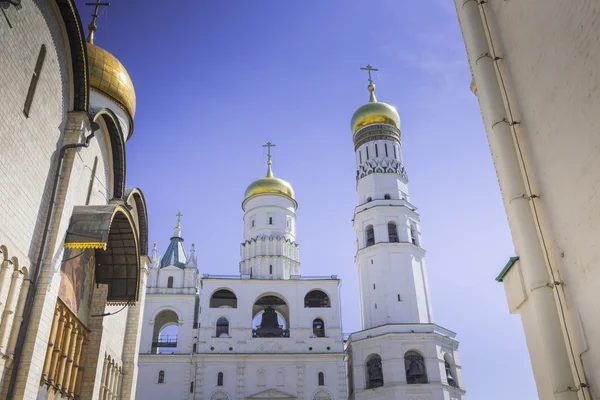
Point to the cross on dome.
(92, 26)
(371, 86)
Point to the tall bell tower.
(399, 345)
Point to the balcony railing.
(165, 341)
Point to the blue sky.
(217, 79)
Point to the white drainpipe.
(517, 198)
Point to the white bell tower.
(400, 352)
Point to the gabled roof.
(271, 394)
(175, 254)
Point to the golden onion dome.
(110, 77)
(269, 185)
(374, 112)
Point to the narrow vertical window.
(161, 376)
(373, 286)
(220, 379)
(386, 150)
(92, 179)
(191, 387)
(399, 299)
(34, 80)
(360, 156)
(395, 153)
(253, 223)
(321, 379)
(376, 306)
(170, 282)
(367, 152)
(194, 348)
(271, 269)
(376, 151)
(270, 220)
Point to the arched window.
(316, 299)
(194, 348)
(374, 372)
(413, 235)
(224, 298)
(450, 370)
(161, 376)
(222, 327)
(170, 282)
(369, 199)
(270, 220)
(392, 232)
(270, 270)
(220, 379)
(387, 197)
(319, 327)
(321, 379)
(414, 364)
(370, 235)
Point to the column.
(103, 378)
(51, 342)
(5, 274)
(64, 353)
(56, 349)
(70, 356)
(18, 316)
(76, 360)
(10, 308)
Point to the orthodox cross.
(179, 215)
(369, 69)
(268, 146)
(96, 5)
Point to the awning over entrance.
(111, 231)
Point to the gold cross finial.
(268, 146)
(179, 215)
(369, 69)
(92, 26)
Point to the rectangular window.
(395, 154)
(191, 387)
(399, 297)
(34, 80)
(373, 286)
(376, 151)
(386, 151)
(360, 156)
(367, 152)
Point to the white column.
(9, 311)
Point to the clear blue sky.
(217, 79)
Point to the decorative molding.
(381, 166)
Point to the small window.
(373, 286)
(370, 235)
(367, 152)
(191, 387)
(252, 223)
(369, 199)
(321, 379)
(318, 327)
(413, 235)
(161, 376)
(270, 220)
(392, 232)
(387, 197)
(270, 269)
(194, 348)
(360, 156)
(395, 154)
(170, 282)
(376, 306)
(222, 327)
(376, 151)
(386, 150)
(220, 379)
(399, 298)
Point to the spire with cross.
(177, 229)
(268, 146)
(92, 26)
(371, 86)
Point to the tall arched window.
(170, 282)
(414, 364)
(161, 376)
(222, 327)
(392, 232)
(220, 379)
(450, 370)
(413, 235)
(370, 235)
(374, 372)
(321, 379)
(318, 327)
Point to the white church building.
(270, 333)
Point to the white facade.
(539, 100)
(400, 353)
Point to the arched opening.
(270, 317)
(450, 370)
(318, 327)
(166, 328)
(393, 232)
(369, 199)
(220, 379)
(161, 376)
(222, 329)
(374, 369)
(414, 364)
(387, 197)
(321, 379)
(194, 348)
(413, 235)
(170, 282)
(316, 299)
(223, 298)
(370, 235)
